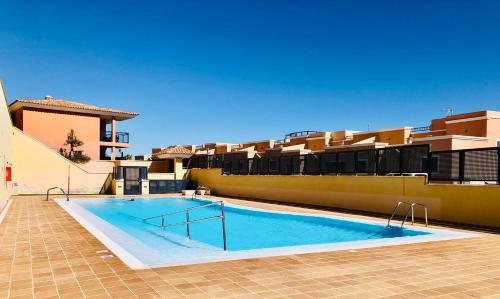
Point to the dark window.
(170, 166)
(185, 163)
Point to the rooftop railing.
(420, 129)
(299, 133)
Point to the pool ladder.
(411, 209)
(222, 217)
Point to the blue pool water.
(246, 228)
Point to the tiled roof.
(55, 103)
(175, 149)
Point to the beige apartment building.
(461, 131)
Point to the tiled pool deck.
(45, 253)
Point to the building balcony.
(120, 137)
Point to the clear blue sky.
(233, 71)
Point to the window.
(185, 163)
(170, 165)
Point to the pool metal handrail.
(188, 221)
(186, 209)
(411, 208)
(53, 188)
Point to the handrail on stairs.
(53, 188)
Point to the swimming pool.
(133, 230)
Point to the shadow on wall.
(107, 188)
(38, 167)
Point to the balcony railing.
(120, 137)
(107, 157)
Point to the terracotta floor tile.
(46, 253)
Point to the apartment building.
(49, 120)
(461, 131)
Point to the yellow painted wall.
(180, 173)
(36, 168)
(468, 204)
(5, 148)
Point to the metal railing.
(411, 208)
(189, 221)
(120, 137)
(53, 188)
(299, 134)
(420, 129)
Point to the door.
(131, 181)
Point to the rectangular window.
(170, 165)
(185, 163)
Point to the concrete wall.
(318, 141)
(260, 146)
(36, 168)
(469, 128)
(161, 166)
(494, 131)
(180, 173)
(467, 204)
(52, 129)
(395, 136)
(5, 148)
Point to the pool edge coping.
(124, 255)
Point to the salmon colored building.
(50, 120)
(461, 131)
